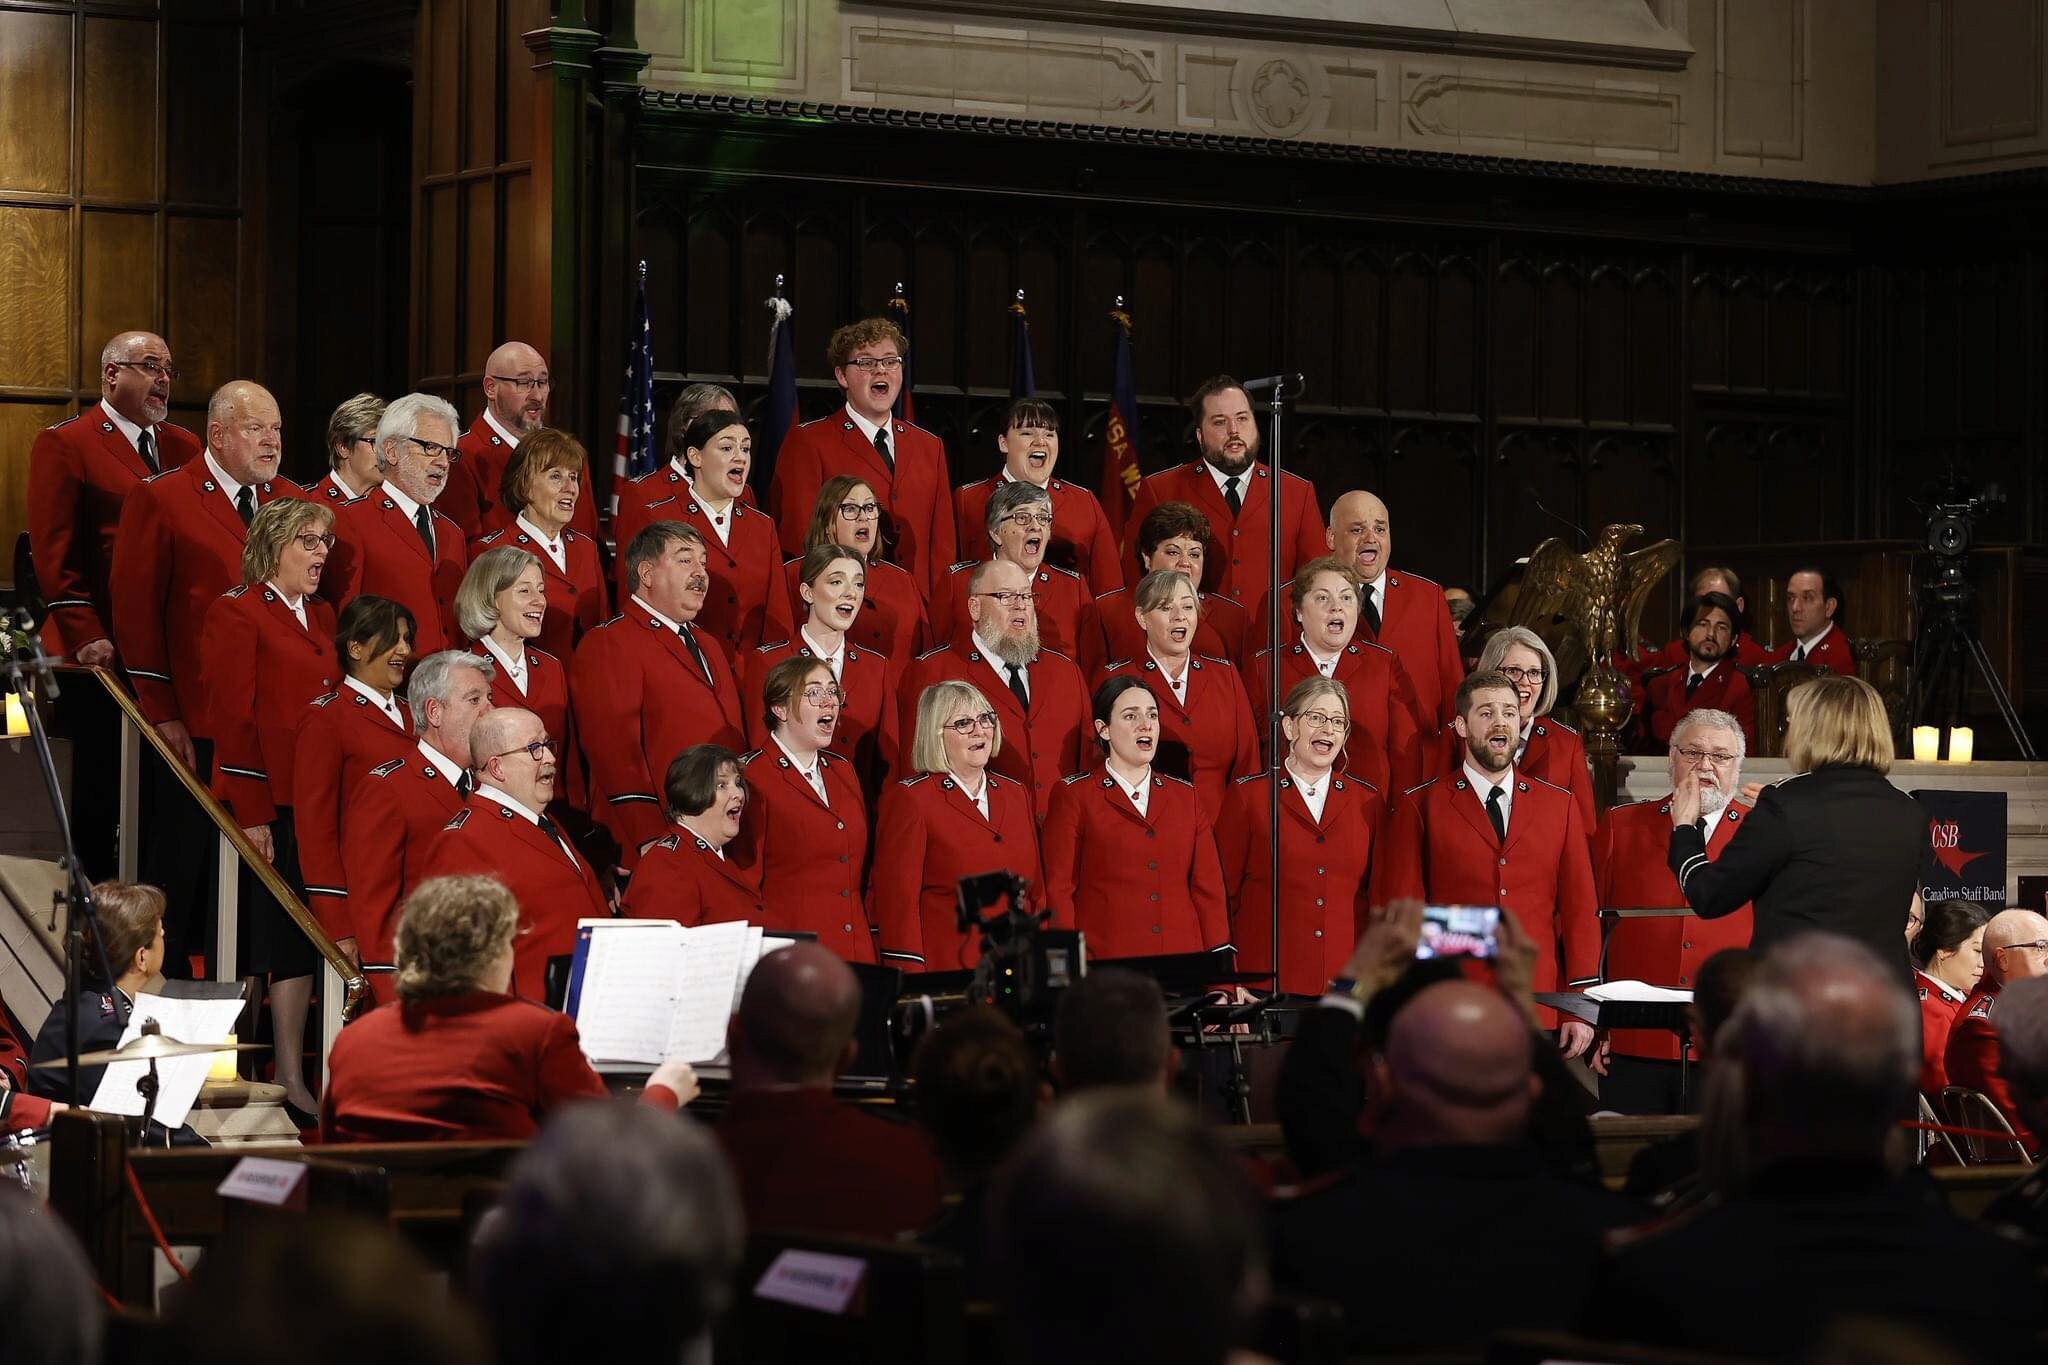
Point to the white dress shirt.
(515, 669)
(1483, 785)
(1178, 685)
(1140, 795)
(1314, 793)
(811, 774)
(979, 796)
(220, 476)
(388, 705)
(442, 764)
(836, 660)
(492, 793)
(507, 437)
(557, 551)
(297, 604)
(1325, 666)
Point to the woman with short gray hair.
(500, 609)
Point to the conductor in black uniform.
(129, 923)
(1835, 847)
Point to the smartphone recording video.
(1458, 931)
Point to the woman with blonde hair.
(502, 608)
(955, 819)
(1835, 847)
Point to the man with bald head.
(805, 1161)
(2015, 949)
(1453, 1169)
(517, 386)
(1403, 611)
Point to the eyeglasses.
(1011, 599)
(871, 363)
(817, 694)
(1322, 720)
(860, 511)
(369, 439)
(1031, 521)
(967, 725)
(1708, 756)
(433, 447)
(150, 366)
(1523, 675)
(522, 383)
(311, 543)
(543, 745)
(2038, 945)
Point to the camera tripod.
(1947, 636)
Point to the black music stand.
(1645, 1014)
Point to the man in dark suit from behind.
(1111, 1030)
(806, 1162)
(1819, 1061)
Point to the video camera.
(1952, 513)
(1025, 963)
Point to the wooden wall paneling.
(202, 87)
(482, 118)
(990, 279)
(20, 420)
(1748, 344)
(1042, 275)
(118, 283)
(203, 300)
(1559, 345)
(1155, 306)
(36, 307)
(1363, 304)
(1255, 317)
(1605, 341)
(482, 233)
(521, 309)
(819, 259)
(1533, 469)
(1200, 332)
(35, 102)
(1789, 301)
(437, 257)
(439, 122)
(1432, 486)
(1459, 353)
(119, 141)
(1656, 342)
(938, 283)
(1706, 346)
(1409, 307)
(1314, 348)
(1517, 315)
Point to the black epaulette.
(386, 769)
(322, 701)
(461, 818)
(963, 564)
(779, 644)
(670, 842)
(1071, 779)
(237, 593)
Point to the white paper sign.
(813, 1279)
(265, 1180)
(1637, 993)
(178, 1078)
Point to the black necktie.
(1372, 614)
(1799, 655)
(547, 827)
(882, 448)
(245, 504)
(696, 651)
(1230, 497)
(1016, 672)
(1497, 815)
(424, 521)
(1692, 683)
(464, 785)
(145, 446)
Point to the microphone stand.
(25, 662)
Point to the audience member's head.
(617, 1238)
(1950, 944)
(796, 1019)
(1124, 1231)
(1458, 1070)
(2015, 946)
(1717, 988)
(1111, 1031)
(978, 1090)
(455, 936)
(128, 921)
(49, 1306)
(2023, 1048)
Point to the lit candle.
(1926, 744)
(1961, 742)
(221, 1066)
(17, 719)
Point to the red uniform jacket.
(1214, 728)
(1038, 748)
(179, 548)
(471, 495)
(80, 471)
(1724, 689)
(916, 495)
(576, 595)
(812, 858)
(457, 1068)
(1082, 539)
(1067, 619)
(263, 669)
(892, 620)
(1136, 885)
(341, 737)
(330, 491)
(867, 721)
(805, 1162)
(554, 886)
(748, 602)
(1416, 625)
(1940, 1007)
(682, 878)
(1554, 753)
(1441, 848)
(931, 836)
(1239, 545)
(1384, 746)
(1832, 653)
(1972, 1057)
(640, 700)
(399, 809)
(632, 517)
(1630, 871)
(1325, 877)
(378, 550)
(1747, 654)
(1223, 631)
(547, 696)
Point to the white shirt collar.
(1315, 796)
(818, 651)
(507, 437)
(868, 429)
(1484, 784)
(810, 770)
(682, 470)
(351, 494)
(676, 626)
(297, 604)
(1140, 795)
(1946, 991)
(399, 496)
(1325, 663)
(442, 764)
(1244, 479)
(514, 668)
(692, 834)
(489, 792)
(1810, 645)
(1714, 821)
(553, 544)
(388, 705)
(128, 428)
(1186, 666)
(220, 476)
(979, 797)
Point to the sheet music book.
(1637, 993)
(642, 991)
(178, 1078)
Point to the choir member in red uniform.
(1746, 652)
(806, 831)
(270, 653)
(1329, 830)
(672, 478)
(1549, 748)
(1175, 536)
(351, 450)
(501, 609)
(1403, 611)
(1019, 527)
(1208, 732)
(1038, 694)
(516, 390)
(2015, 949)
(1233, 490)
(893, 615)
(957, 818)
(402, 806)
(1130, 854)
(1708, 678)
(1812, 602)
(1948, 957)
(392, 543)
(1082, 538)
(543, 486)
(833, 582)
(1641, 1072)
(1493, 836)
(688, 876)
(1385, 745)
(457, 1058)
(647, 684)
(903, 464)
(343, 735)
(80, 471)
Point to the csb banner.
(1966, 847)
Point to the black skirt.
(272, 944)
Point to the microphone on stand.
(28, 655)
(1283, 385)
(1529, 490)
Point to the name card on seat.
(266, 1180)
(813, 1279)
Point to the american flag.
(635, 455)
